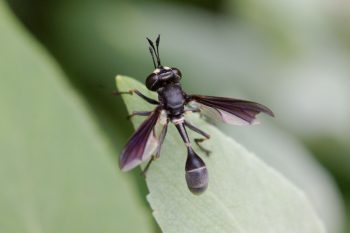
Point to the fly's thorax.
(173, 98)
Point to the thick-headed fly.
(145, 144)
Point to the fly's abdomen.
(196, 173)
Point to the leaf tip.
(119, 79)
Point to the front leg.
(139, 113)
(130, 92)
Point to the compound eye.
(152, 82)
(177, 72)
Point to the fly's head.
(162, 75)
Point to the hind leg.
(198, 141)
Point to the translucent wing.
(142, 143)
(227, 110)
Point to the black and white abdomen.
(196, 173)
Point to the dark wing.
(141, 145)
(231, 111)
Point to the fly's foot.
(118, 93)
(144, 171)
(198, 141)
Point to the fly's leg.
(198, 141)
(130, 92)
(156, 156)
(147, 99)
(161, 138)
(144, 171)
(196, 110)
(139, 113)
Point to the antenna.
(157, 46)
(151, 51)
(156, 51)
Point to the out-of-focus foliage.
(57, 173)
(313, 75)
(290, 55)
(257, 198)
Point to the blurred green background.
(293, 56)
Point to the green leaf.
(244, 194)
(57, 171)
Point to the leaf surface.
(244, 194)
